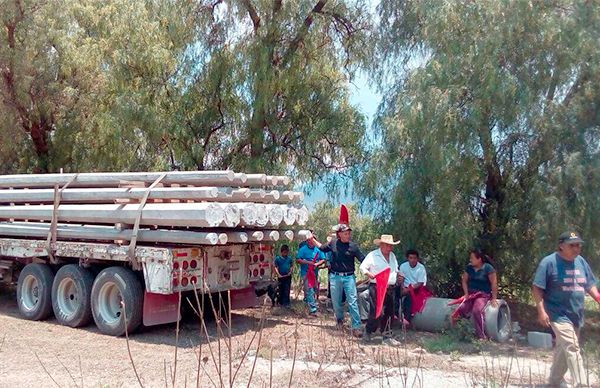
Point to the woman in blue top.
(479, 285)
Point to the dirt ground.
(290, 349)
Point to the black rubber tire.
(220, 304)
(34, 291)
(112, 286)
(71, 302)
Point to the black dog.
(272, 290)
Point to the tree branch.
(303, 31)
(253, 14)
(584, 76)
(340, 19)
(276, 6)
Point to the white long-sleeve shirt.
(374, 263)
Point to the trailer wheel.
(113, 288)
(34, 291)
(71, 293)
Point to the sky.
(366, 99)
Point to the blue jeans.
(347, 285)
(309, 296)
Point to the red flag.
(418, 299)
(456, 301)
(381, 282)
(310, 272)
(456, 313)
(461, 302)
(310, 276)
(344, 219)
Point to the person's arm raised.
(318, 244)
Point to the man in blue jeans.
(343, 255)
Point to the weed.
(591, 355)
(458, 340)
(455, 356)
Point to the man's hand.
(494, 303)
(399, 278)
(370, 275)
(543, 318)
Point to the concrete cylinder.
(436, 317)
(497, 322)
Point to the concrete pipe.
(497, 322)
(436, 317)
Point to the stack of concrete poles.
(185, 207)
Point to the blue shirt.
(307, 253)
(283, 264)
(479, 280)
(565, 284)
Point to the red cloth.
(381, 282)
(310, 276)
(310, 273)
(344, 215)
(461, 301)
(456, 301)
(418, 299)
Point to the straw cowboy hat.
(386, 239)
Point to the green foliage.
(364, 229)
(252, 85)
(267, 88)
(489, 131)
(85, 82)
(591, 355)
(459, 339)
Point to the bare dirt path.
(45, 354)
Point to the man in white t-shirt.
(415, 277)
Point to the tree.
(84, 83)
(250, 85)
(489, 134)
(364, 229)
(267, 88)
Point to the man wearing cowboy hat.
(342, 280)
(559, 286)
(374, 263)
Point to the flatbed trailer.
(81, 282)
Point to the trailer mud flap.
(246, 297)
(159, 309)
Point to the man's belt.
(389, 287)
(341, 273)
